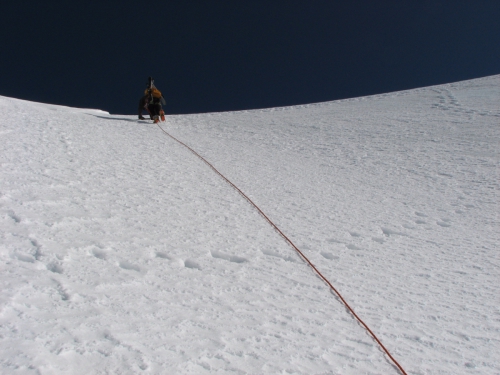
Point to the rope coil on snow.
(295, 248)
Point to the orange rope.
(295, 247)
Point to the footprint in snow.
(23, 257)
(444, 174)
(38, 253)
(14, 217)
(333, 240)
(174, 261)
(444, 223)
(129, 266)
(230, 258)
(353, 247)
(389, 232)
(329, 256)
(163, 255)
(65, 296)
(192, 264)
(100, 254)
(421, 215)
(54, 267)
(277, 255)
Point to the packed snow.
(123, 253)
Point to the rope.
(295, 248)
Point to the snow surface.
(123, 253)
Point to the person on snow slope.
(152, 101)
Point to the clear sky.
(227, 55)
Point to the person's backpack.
(154, 94)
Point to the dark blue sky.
(227, 55)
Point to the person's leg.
(162, 113)
(154, 111)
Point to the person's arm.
(142, 103)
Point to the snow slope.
(123, 253)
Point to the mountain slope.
(122, 252)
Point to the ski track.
(121, 252)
